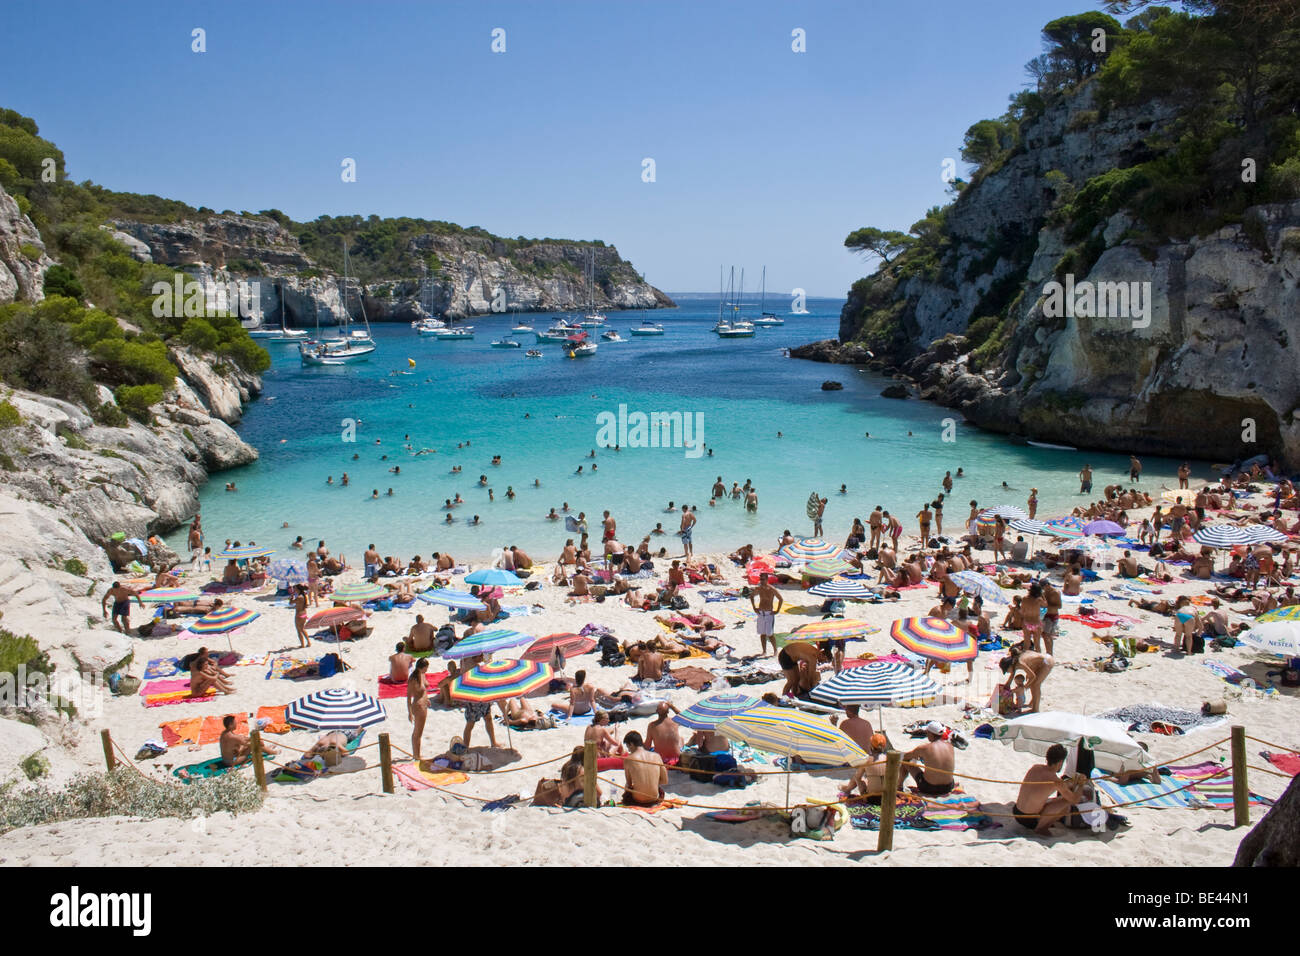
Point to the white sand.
(345, 818)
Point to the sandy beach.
(449, 826)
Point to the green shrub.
(34, 766)
(22, 651)
(9, 415)
(136, 400)
(76, 566)
(200, 335)
(133, 362)
(60, 280)
(980, 329)
(108, 414)
(70, 437)
(30, 251)
(7, 463)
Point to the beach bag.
(547, 793)
(1198, 643)
(678, 603)
(329, 665)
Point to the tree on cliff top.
(1076, 48)
(885, 243)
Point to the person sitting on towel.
(869, 779)
(645, 772)
(1045, 796)
(935, 778)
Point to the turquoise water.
(540, 416)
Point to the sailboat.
(734, 328)
(348, 346)
(430, 324)
(283, 333)
(766, 318)
(593, 319)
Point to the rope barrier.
(1266, 770)
(1274, 746)
(530, 766)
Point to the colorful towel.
(1213, 787)
(958, 811)
(162, 667)
(667, 804)
(281, 666)
(389, 689)
(181, 731)
(165, 686)
(201, 771)
(577, 720)
(909, 814)
(1145, 794)
(696, 678)
(415, 778)
(277, 724)
(1287, 763)
(160, 692)
(1224, 671)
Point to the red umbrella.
(333, 617)
(570, 644)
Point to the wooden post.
(1240, 785)
(107, 739)
(888, 799)
(386, 762)
(259, 769)
(589, 774)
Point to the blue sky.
(762, 156)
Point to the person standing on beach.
(1134, 469)
(761, 600)
(895, 530)
(947, 482)
(1035, 667)
(924, 517)
(121, 596)
(1085, 480)
(608, 524)
(688, 524)
(417, 704)
(1184, 473)
(1031, 611)
(817, 521)
(300, 614)
(875, 522)
(1033, 503)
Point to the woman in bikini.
(417, 704)
(582, 696)
(300, 614)
(1187, 623)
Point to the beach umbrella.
(449, 597)
(287, 572)
(335, 708)
(486, 642)
(1221, 536)
(1005, 512)
(494, 576)
(842, 589)
(335, 616)
(809, 549)
(706, 714)
(813, 505)
(934, 638)
(1090, 545)
(246, 551)
(222, 621)
(784, 730)
(361, 591)
(1030, 526)
(1289, 613)
(1114, 750)
(1275, 637)
(169, 595)
(1263, 534)
(500, 680)
(832, 630)
(1067, 527)
(1187, 494)
(570, 645)
(972, 582)
(827, 568)
(877, 684)
(1102, 528)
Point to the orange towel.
(278, 724)
(181, 731)
(213, 727)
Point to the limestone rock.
(22, 277)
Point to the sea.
(425, 406)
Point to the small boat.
(579, 346)
(506, 343)
(264, 333)
(455, 335)
(559, 332)
(593, 321)
(518, 329)
(350, 345)
(612, 336)
(533, 353)
(430, 326)
(768, 319)
(648, 328)
(738, 330)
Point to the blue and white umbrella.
(494, 576)
(450, 597)
(487, 642)
(842, 589)
(877, 684)
(335, 708)
(972, 582)
(1263, 534)
(1089, 546)
(246, 551)
(1222, 536)
(1005, 512)
(286, 572)
(1030, 526)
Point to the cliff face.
(22, 255)
(459, 275)
(1206, 371)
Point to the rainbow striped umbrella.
(334, 616)
(935, 638)
(1289, 613)
(224, 619)
(809, 549)
(486, 642)
(169, 595)
(832, 630)
(708, 713)
(500, 680)
(571, 645)
(827, 568)
(246, 551)
(784, 730)
(361, 591)
(877, 684)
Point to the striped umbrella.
(877, 684)
(1067, 527)
(246, 551)
(287, 572)
(1090, 545)
(486, 642)
(827, 568)
(1030, 526)
(169, 595)
(708, 713)
(1289, 613)
(500, 680)
(223, 620)
(842, 589)
(570, 645)
(361, 591)
(972, 582)
(809, 549)
(1275, 637)
(1005, 512)
(335, 616)
(1263, 534)
(449, 597)
(1221, 536)
(832, 630)
(784, 730)
(935, 638)
(335, 708)
(1102, 528)
(495, 576)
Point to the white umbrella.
(1113, 749)
(1275, 637)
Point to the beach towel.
(668, 804)
(1159, 796)
(1287, 763)
(181, 731)
(1095, 620)
(735, 816)
(696, 678)
(577, 720)
(165, 686)
(958, 811)
(162, 667)
(909, 814)
(204, 770)
(1212, 785)
(282, 665)
(160, 693)
(414, 778)
(389, 689)
(1224, 671)
(275, 718)
(1140, 717)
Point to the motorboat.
(648, 328)
(579, 346)
(736, 330)
(768, 319)
(533, 353)
(506, 343)
(520, 329)
(559, 332)
(612, 336)
(455, 335)
(429, 326)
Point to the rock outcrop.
(23, 259)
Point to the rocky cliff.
(455, 275)
(1191, 356)
(23, 259)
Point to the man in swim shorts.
(121, 596)
(1036, 808)
(935, 777)
(761, 599)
